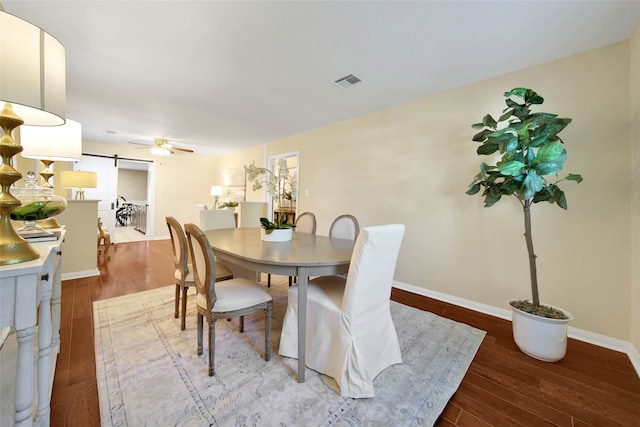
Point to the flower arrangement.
(278, 183)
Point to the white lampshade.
(216, 190)
(32, 72)
(78, 179)
(57, 143)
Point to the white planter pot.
(277, 235)
(540, 337)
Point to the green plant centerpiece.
(532, 155)
(279, 224)
(229, 204)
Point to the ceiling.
(217, 77)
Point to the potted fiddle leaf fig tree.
(531, 155)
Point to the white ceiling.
(218, 76)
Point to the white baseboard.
(579, 334)
(80, 274)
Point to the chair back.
(373, 263)
(179, 246)
(216, 219)
(306, 223)
(203, 263)
(345, 227)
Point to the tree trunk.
(532, 256)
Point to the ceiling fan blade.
(186, 150)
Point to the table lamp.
(51, 144)
(33, 92)
(78, 180)
(216, 191)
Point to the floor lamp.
(51, 144)
(33, 92)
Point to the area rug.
(150, 375)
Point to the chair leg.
(183, 321)
(177, 304)
(267, 331)
(290, 280)
(241, 323)
(212, 346)
(199, 325)
(268, 280)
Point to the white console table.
(29, 296)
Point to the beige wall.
(412, 164)
(635, 199)
(132, 185)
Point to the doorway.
(121, 181)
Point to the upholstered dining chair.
(223, 300)
(183, 273)
(345, 227)
(350, 335)
(216, 219)
(103, 239)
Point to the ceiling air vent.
(349, 81)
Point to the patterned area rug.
(149, 373)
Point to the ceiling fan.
(162, 147)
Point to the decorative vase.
(540, 337)
(277, 235)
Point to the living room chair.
(350, 334)
(183, 273)
(216, 219)
(104, 238)
(345, 227)
(225, 299)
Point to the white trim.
(579, 334)
(80, 274)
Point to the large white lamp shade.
(78, 180)
(32, 72)
(57, 143)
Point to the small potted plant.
(276, 231)
(531, 157)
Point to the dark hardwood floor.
(591, 386)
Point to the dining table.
(303, 256)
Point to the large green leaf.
(533, 183)
(549, 152)
(574, 177)
(473, 189)
(489, 121)
(548, 168)
(487, 148)
(482, 135)
(512, 167)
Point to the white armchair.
(350, 333)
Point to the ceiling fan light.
(160, 151)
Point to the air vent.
(348, 82)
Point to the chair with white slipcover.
(183, 273)
(225, 299)
(350, 335)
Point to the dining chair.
(225, 299)
(217, 218)
(350, 334)
(183, 272)
(104, 238)
(345, 227)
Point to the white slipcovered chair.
(223, 299)
(350, 335)
(217, 219)
(184, 271)
(345, 227)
